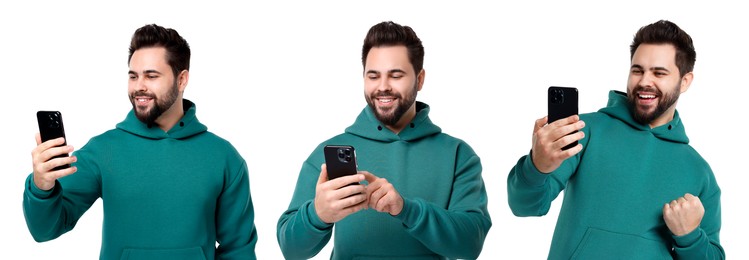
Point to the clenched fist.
(683, 215)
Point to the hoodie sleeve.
(458, 231)
(530, 192)
(52, 213)
(300, 232)
(235, 226)
(704, 241)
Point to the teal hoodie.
(439, 177)
(615, 189)
(166, 195)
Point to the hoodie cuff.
(531, 175)
(689, 239)
(409, 215)
(39, 193)
(314, 219)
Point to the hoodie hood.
(618, 108)
(367, 126)
(187, 126)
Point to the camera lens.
(340, 155)
(348, 158)
(348, 152)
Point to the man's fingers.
(690, 197)
(342, 181)
(52, 143)
(353, 200)
(566, 121)
(64, 172)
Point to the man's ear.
(420, 79)
(182, 79)
(686, 81)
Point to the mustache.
(388, 93)
(647, 89)
(142, 93)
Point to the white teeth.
(647, 96)
(386, 100)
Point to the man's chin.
(142, 112)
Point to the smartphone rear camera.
(344, 155)
(54, 120)
(557, 96)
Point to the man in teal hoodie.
(424, 196)
(634, 188)
(170, 188)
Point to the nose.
(647, 79)
(138, 84)
(384, 84)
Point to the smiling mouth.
(142, 101)
(385, 100)
(647, 96)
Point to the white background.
(278, 78)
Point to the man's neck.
(664, 118)
(404, 121)
(171, 116)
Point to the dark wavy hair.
(152, 35)
(387, 34)
(664, 31)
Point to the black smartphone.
(340, 160)
(562, 103)
(51, 127)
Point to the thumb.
(368, 176)
(38, 139)
(323, 174)
(541, 122)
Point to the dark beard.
(665, 102)
(398, 112)
(149, 117)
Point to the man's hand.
(44, 175)
(548, 140)
(683, 215)
(382, 196)
(334, 200)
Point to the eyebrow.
(660, 68)
(145, 72)
(389, 71)
(635, 66)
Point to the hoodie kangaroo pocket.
(192, 253)
(602, 244)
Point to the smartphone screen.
(562, 103)
(340, 160)
(51, 127)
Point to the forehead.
(386, 58)
(655, 55)
(149, 58)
